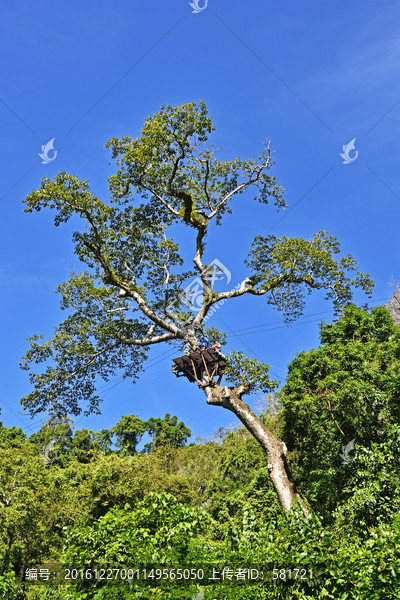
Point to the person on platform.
(217, 348)
(204, 343)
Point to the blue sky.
(310, 76)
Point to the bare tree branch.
(148, 341)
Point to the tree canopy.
(133, 291)
(347, 389)
(167, 432)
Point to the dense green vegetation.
(85, 499)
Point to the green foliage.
(167, 432)
(371, 495)
(242, 483)
(85, 445)
(159, 529)
(214, 335)
(340, 569)
(85, 346)
(58, 444)
(120, 510)
(298, 266)
(129, 431)
(46, 592)
(10, 587)
(249, 372)
(25, 529)
(54, 439)
(346, 389)
(168, 158)
(10, 435)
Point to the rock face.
(394, 306)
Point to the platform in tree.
(193, 366)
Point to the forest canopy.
(92, 501)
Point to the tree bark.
(231, 398)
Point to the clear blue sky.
(311, 76)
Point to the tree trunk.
(231, 398)
(21, 569)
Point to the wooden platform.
(194, 365)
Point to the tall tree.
(167, 432)
(129, 431)
(130, 298)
